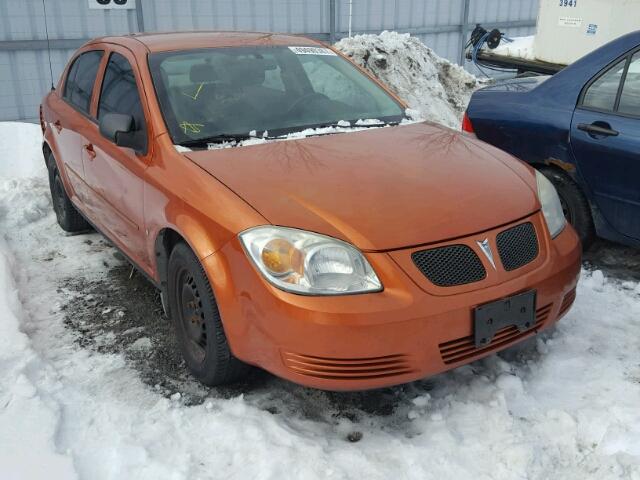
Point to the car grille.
(517, 246)
(567, 302)
(449, 266)
(347, 368)
(464, 348)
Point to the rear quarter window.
(602, 93)
(630, 96)
(80, 81)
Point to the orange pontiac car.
(293, 218)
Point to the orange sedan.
(293, 218)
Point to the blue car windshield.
(217, 92)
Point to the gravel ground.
(132, 323)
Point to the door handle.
(58, 125)
(90, 151)
(595, 129)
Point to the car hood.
(379, 189)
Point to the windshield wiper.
(223, 137)
(380, 123)
(239, 137)
(372, 125)
(343, 127)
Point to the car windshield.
(221, 93)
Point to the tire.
(574, 204)
(68, 217)
(196, 318)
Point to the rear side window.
(119, 92)
(82, 76)
(630, 96)
(602, 93)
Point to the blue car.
(581, 128)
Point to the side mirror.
(120, 129)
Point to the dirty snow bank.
(29, 419)
(438, 89)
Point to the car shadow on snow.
(121, 313)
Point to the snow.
(17, 137)
(342, 126)
(29, 418)
(182, 149)
(563, 405)
(143, 343)
(520, 47)
(436, 88)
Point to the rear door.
(605, 138)
(72, 118)
(115, 174)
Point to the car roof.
(564, 87)
(167, 41)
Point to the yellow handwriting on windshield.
(188, 127)
(195, 95)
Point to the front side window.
(119, 92)
(630, 96)
(214, 92)
(78, 87)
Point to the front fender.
(184, 203)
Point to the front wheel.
(197, 322)
(574, 204)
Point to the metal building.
(24, 65)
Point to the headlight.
(308, 263)
(551, 206)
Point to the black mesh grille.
(450, 266)
(517, 246)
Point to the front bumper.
(404, 333)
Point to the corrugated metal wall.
(293, 16)
(24, 66)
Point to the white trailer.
(566, 31)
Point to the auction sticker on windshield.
(312, 51)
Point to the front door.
(116, 174)
(605, 138)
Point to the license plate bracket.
(518, 310)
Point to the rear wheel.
(196, 318)
(68, 217)
(574, 204)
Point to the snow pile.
(29, 420)
(438, 89)
(519, 47)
